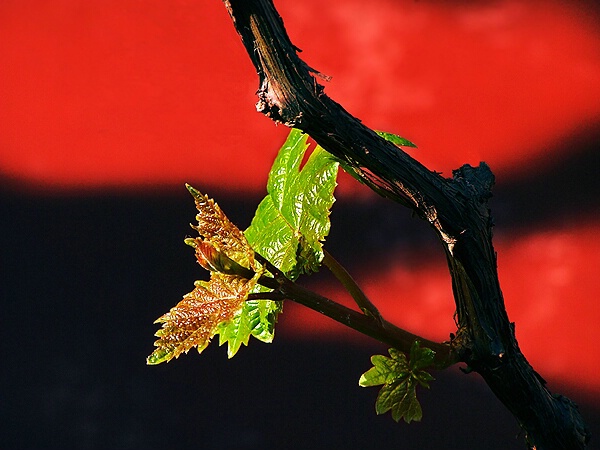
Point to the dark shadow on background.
(559, 190)
(83, 279)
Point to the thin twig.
(353, 289)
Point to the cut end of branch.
(477, 181)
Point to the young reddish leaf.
(222, 249)
(195, 320)
(215, 261)
(214, 227)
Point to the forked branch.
(455, 208)
(369, 323)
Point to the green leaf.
(293, 219)
(401, 399)
(400, 377)
(395, 139)
(420, 357)
(385, 370)
(256, 318)
(288, 229)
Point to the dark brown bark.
(456, 209)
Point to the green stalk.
(350, 285)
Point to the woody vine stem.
(455, 208)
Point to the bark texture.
(456, 208)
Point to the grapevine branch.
(455, 208)
(369, 322)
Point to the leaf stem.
(273, 295)
(383, 331)
(367, 324)
(350, 285)
(270, 267)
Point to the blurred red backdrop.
(126, 94)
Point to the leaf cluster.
(285, 239)
(222, 249)
(400, 377)
(288, 230)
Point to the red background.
(123, 96)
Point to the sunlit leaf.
(195, 320)
(223, 249)
(293, 219)
(215, 261)
(385, 370)
(395, 139)
(255, 318)
(288, 229)
(215, 228)
(400, 377)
